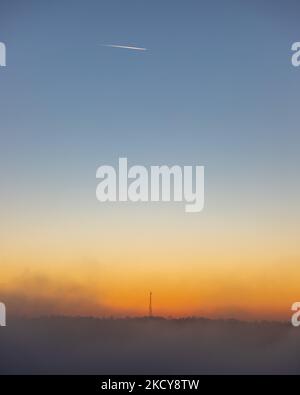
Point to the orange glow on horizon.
(191, 266)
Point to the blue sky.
(216, 87)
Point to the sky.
(215, 87)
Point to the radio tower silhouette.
(150, 305)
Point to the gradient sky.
(216, 87)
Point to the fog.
(60, 345)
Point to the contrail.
(125, 47)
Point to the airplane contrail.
(125, 47)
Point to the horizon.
(146, 317)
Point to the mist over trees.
(61, 345)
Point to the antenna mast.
(150, 304)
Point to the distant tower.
(150, 304)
